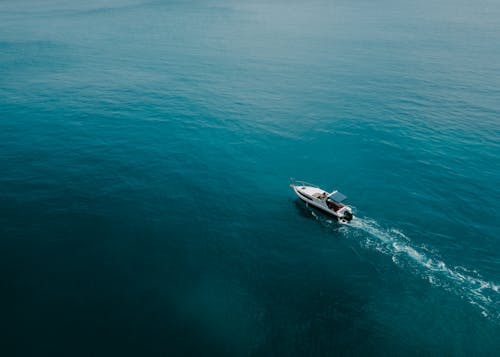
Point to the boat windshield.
(337, 196)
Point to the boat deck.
(313, 191)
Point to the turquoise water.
(146, 148)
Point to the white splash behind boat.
(328, 202)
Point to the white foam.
(425, 262)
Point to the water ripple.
(425, 262)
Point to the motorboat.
(327, 202)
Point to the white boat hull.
(317, 198)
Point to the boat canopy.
(337, 196)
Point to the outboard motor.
(347, 216)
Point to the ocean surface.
(145, 153)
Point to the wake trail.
(425, 262)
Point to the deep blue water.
(145, 153)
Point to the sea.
(146, 151)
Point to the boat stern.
(345, 214)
